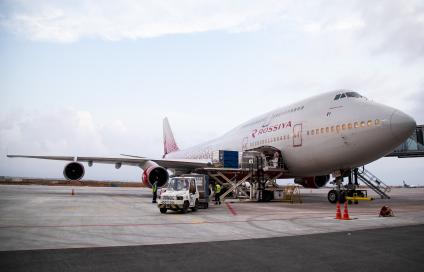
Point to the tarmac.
(47, 228)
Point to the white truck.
(181, 193)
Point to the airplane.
(333, 132)
(405, 185)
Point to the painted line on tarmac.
(153, 224)
(231, 209)
(187, 223)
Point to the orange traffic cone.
(345, 212)
(338, 212)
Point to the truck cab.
(181, 194)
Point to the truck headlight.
(179, 198)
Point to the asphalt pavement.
(381, 249)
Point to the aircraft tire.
(163, 210)
(333, 196)
(342, 197)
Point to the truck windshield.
(178, 184)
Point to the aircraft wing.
(173, 164)
(139, 161)
(55, 158)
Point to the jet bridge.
(413, 147)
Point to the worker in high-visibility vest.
(155, 192)
(217, 190)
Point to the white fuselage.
(317, 136)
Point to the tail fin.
(169, 143)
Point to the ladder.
(374, 183)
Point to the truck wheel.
(333, 196)
(163, 210)
(196, 206)
(185, 207)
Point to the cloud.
(395, 26)
(383, 26)
(69, 132)
(59, 21)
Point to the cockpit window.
(353, 94)
(348, 94)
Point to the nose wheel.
(334, 196)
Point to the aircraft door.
(245, 143)
(297, 135)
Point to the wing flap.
(173, 164)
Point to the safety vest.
(154, 187)
(217, 188)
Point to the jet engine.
(152, 173)
(312, 182)
(73, 171)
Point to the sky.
(96, 78)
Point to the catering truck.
(180, 194)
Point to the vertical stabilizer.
(169, 143)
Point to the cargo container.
(225, 158)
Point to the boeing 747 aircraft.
(330, 133)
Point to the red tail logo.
(169, 143)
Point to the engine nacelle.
(73, 171)
(313, 182)
(152, 173)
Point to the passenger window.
(317, 131)
(327, 129)
(338, 128)
(369, 123)
(356, 124)
(322, 130)
(332, 128)
(362, 124)
(312, 132)
(343, 126)
(377, 122)
(307, 132)
(349, 126)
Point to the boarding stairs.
(374, 183)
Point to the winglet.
(169, 143)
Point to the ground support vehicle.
(202, 184)
(181, 194)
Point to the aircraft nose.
(401, 125)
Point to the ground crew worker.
(217, 189)
(155, 192)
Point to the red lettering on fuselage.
(272, 128)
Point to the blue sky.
(97, 77)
